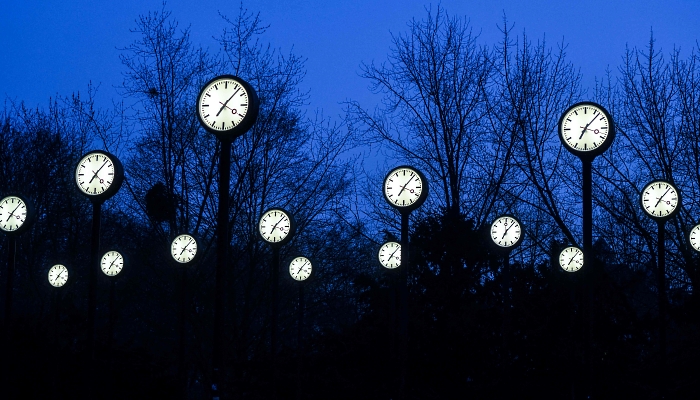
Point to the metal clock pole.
(275, 311)
(222, 242)
(300, 343)
(227, 107)
(663, 302)
(92, 274)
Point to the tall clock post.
(586, 129)
(661, 201)
(276, 227)
(227, 106)
(405, 188)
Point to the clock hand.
(662, 196)
(404, 186)
(298, 272)
(275, 225)
(392, 254)
(229, 99)
(586, 127)
(95, 176)
(507, 229)
(12, 213)
(184, 248)
(232, 110)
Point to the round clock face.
(276, 226)
(58, 275)
(405, 188)
(660, 200)
(506, 232)
(300, 268)
(571, 259)
(586, 129)
(390, 255)
(13, 213)
(227, 104)
(112, 263)
(694, 238)
(98, 174)
(183, 249)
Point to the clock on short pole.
(184, 252)
(16, 216)
(111, 263)
(404, 188)
(300, 269)
(661, 201)
(227, 107)
(276, 227)
(98, 176)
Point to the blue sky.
(58, 47)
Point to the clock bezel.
(113, 188)
(292, 226)
(690, 233)
(120, 270)
(248, 120)
(514, 245)
(587, 155)
(196, 256)
(28, 220)
(311, 274)
(51, 269)
(421, 198)
(676, 209)
(583, 258)
(379, 252)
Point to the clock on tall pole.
(16, 216)
(405, 189)
(300, 269)
(98, 176)
(661, 201)
(276, 227)
(227, 107)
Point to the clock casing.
(16, 214)
(586, 129)
(99, 175)
(227, 106)
(660, 200)
(405, 188)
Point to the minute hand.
(404, 186)
(226, 102)
(586, 127)
(662, 196)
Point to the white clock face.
(223, 104)
(585, 128)
(571, 259)
(58, 275)
(13, 213)
(300, 268)
(506, 232)
(183, 249)
(275, 225)
(403, 187)
(659, 199)
(390, 255)
(95, 174)
(694, 238)
(112, 263)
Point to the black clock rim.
(116, 183)
(516, 244)
(665, 217)
(583, 254)
(292, 227)
(27, 221)
(312, 260)
(421, 199)
(248, 120)
(591, 154)
(690, 232)
(123, 260)
(194, 259)
(49, 271)
(379, 251)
